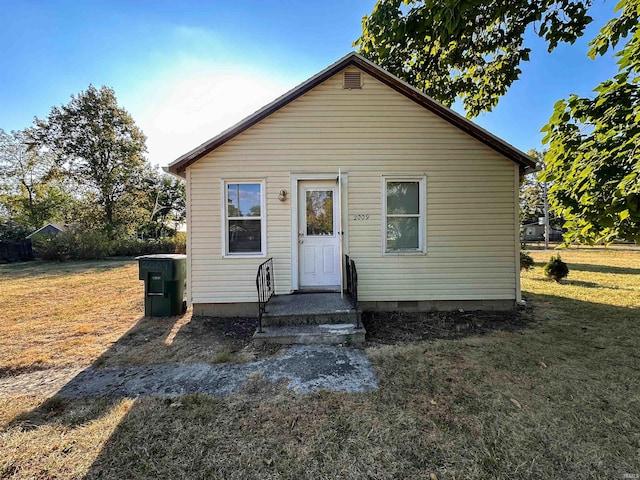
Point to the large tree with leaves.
(97, 143)
(31, 191)
(594, 154)
(466, 49)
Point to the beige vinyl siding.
(368, 133)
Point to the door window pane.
(402, 233)
(243, 200)
(319, 212)
(244, 236)
(403, 198)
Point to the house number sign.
(361, 217)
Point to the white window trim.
(422, 219)
(263, 218)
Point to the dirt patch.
(393, 328)
(185, 339)
(236, 328)
(237, 331)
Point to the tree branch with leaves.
(464, 49)
(594, 144)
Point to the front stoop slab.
(326, 334)
(309, 309)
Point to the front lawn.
(555, 398)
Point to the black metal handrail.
(266, 288)
(352, 284)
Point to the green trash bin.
(164, 277)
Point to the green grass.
(559, 399)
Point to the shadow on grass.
(177, 340)
(40, 268)
(581, 283)
(585, 267)
(594, 285)
(555, 247)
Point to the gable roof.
(60, 227)
(178, 166)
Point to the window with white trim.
(404, 214)
(244, 225)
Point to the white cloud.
(178, 112)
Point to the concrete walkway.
(306, 368)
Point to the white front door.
(318, 236)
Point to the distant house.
(354, 161)
(49, 230)
(534, 232)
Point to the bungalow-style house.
(49, 230)
(354, 162)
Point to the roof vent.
(351, 80)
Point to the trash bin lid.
(163, 256)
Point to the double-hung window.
(244, 219)
(404, 214)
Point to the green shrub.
(90, 244)
(133, 247)
(526, 261)
(127, 247)
(556, 268)
(73, 244)
(180, 242)
(79, 244)
(48, 248)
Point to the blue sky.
(186, 70)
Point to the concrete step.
(309, 309)
(295, 319)
(327, 334)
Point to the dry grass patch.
(60, 439)
(60, 315)
(67, 314)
